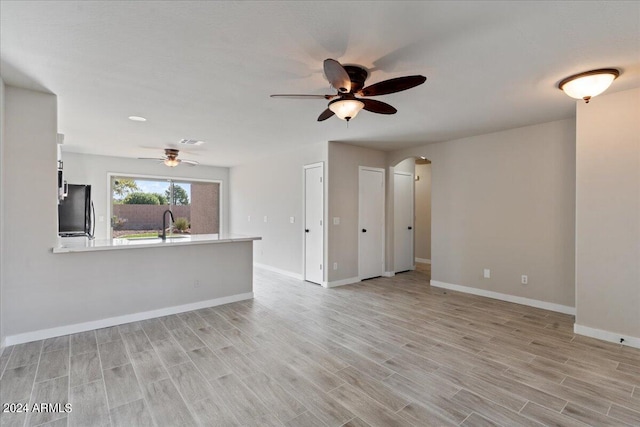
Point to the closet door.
(371, 223)
(313, 222)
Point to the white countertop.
(67, 245)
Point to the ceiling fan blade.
(189, 162)
(337, 75)
(378, 107)
(293, 96)
(325, 115)
(151, 158)
(393, 85)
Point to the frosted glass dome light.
(346, 109)
(588, 84)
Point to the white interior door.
(371, 223)
(313, 222)
(403, 221)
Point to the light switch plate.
(265, 218)
(487, 273)
(336, 220)
(292, 219)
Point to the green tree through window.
(180, 196)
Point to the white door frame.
(413, 220)
(384, 203)
(304, 219)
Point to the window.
(138, 204)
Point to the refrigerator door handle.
(92, 219)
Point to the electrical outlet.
(524, 279)
(248, 218)
(265, 218)
(292, 219)
(336, 220)
(101, 218)
(487, 273)
(335, 265)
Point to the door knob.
(306, 230)
(364, 230)
(410, 228)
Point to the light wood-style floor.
(385, 352)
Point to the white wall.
(608, 216)
(407, 165)
(423, 212)
(505, 201)
(344, 161)
(2, 160)
(93, 170)
(42, 290)
(273, 187)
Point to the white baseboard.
(342, 282)
(606, 335)
(506, 297)
(388, 274)
(279, 271)
(3, 343)
(119, 320)
(423, 260)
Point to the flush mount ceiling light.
(137, 119)
(588, 84)
(346, 109)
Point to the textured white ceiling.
(204, 70)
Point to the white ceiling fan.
(171, 158)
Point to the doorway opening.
(412, 216)
(422, 205)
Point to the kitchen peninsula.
(87, 245)
(114, 281)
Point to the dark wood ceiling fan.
(171, 158)
(349, 80)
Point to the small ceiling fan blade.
(378, 107)
(337, 75)
(189, 162)
(151, 158)
(325, 115)
(393, 85)
(294, 96)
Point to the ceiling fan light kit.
(172, 163)
(346, 109)
(588, 84)
(348, 81)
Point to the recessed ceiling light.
(137, 119)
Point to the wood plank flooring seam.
(33, 388)
(8, 357)
(144, 398)
(205, 379)
(104, 386)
